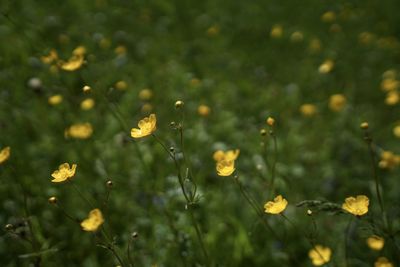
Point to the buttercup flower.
(79, 131)
(308, 110)
(326, 66)
(383, 262)
(63, 173)
(203, 110)
(276, 31)
(356, 205)
(277, 206)
(375, 242)
(337, 102)
(145, 94)
(55, 99)
(121, 85)
(87, 104)
(52, 56)
(5, 154)
(225, 167)
(94, 220)
(230, 155)
(146, 127)
(76, 61)
(320, 255)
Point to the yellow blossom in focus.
(230, 155)
(396, 131)
(50, 58)
(63, 173)
(121, 85)
(93, 222)
(55, 99)
(320, 255)
(276, 31)
(392, 98)
(203, 110)
(213, 31)
(225, 167)
(146, 127)
(375, 242)
(326, 66)
(277, 206)
(145, 94)
(308, 110)
(79, 51)
(79, 131)
(328, 16)
(357, 206)
(337, 102)
(5, 154)
(74, 63)
(87, 104)
(383, 262)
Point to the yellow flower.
(145, 94)
(94, 220)
(79, 131)
(146, 108)
(315, 45)
(146, 127)
(5, 154)
(225, 167)
(79, 51)
(86, 89)
(326, 66)
(55, 99)
(277, 206)
(120, 50)
(389, 84)
(375, 242)
(328, 16)
(276, 31)
(392, 98)
(121, 85)
(230, 155)
(337, 102)
(356, 205)
(383, 262)
(396, 131)
(270, 121)
(52, 56)
(63, 173)
(308, 110)
(203, 110)
(296, 36)
(320, 255)
(73, 63)
(87, 104)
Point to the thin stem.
(80, 194)
(199, 237)
(129, 252)
(110, 247)
(346, 242)
(273, 169)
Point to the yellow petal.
(94, 220)
(5, 154)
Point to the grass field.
(200, 133)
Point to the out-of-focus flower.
(194, 82)
(225, 167)
(86, 89)
(74, 63)
(5, 154)
(79, 131)
(55, 99)
(50, 58)
(326, 66)
(392, 98)
(296, 37)
(389, 84)
(145, 94)
(120, 50)
(276, 31)
(63, 173)
(389, 160)
(396, 131)
(121, 85)
(315, 45)
(375, 242)
(276, 206)
(383, 262)
(328, 17)
(366, 38)
(79, 51)
(87, 104)
(320, 255)
(146, 127)
(213, 31)
(93, 222)
(308, 110)
(270, 121)
(357, 206)
(203, 110)
(146, 108)
(337, 102)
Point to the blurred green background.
(241, 61)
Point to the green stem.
(273, 169)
